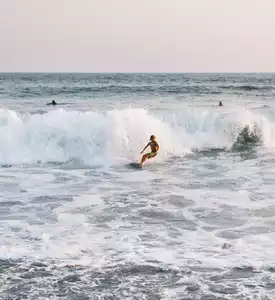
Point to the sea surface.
(196, 223)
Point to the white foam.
(119, 134)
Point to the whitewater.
(94, 137)
(197, 222)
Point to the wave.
(50, 91)
(248, 87)
(119, 135)
(161, 88)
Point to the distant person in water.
(52, 103)
(154, 149)
(220, 103)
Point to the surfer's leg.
(144, 157)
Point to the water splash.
(103, 138)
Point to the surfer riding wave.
(154, 149)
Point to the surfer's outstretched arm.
(145, 148)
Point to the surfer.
(52, 103)
(220, 103)
(154, 149)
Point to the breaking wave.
(119, 135)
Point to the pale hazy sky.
(137, 35)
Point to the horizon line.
(78, 72)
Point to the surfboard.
(135, 165)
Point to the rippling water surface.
(197, 222)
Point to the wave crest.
(96, 138)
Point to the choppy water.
(198, 222)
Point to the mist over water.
(197, 222)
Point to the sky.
(137, 35)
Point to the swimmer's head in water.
(152, 138)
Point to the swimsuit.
(151, 154)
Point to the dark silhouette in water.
(220, 103)
(52, 103)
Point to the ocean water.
(197, 222)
